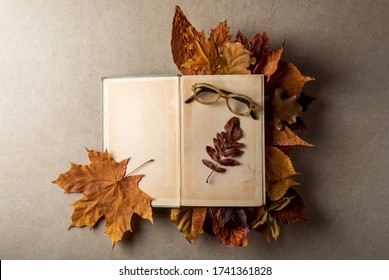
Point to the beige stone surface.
(53, 55)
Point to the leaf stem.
(140, 166)
(213, 170)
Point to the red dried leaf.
(258, 45)
(213, 166)
(229, 162)
(213, 153)
(292, 213)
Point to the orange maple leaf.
(107, 192)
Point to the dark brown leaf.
(259, 44)
(234, 217)
(233, 152)
(229, 162)
(225, 147)
(213, 166)
(213, 153)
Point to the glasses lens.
(238, 105)
(206, 95)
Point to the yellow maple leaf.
(189, 220)
(234, 59)
(107, 192)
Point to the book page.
(241, 185)
(141, 121)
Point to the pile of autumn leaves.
(194, 54)
(110, 193)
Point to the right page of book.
(240, 185)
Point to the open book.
(147, 118)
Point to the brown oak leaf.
(234, 59)
(281, 109)
(230, 237)
(226, 146)
(221, 33)
(259, 44)
(287, 77)
(189, 220)
(284, 137)
(107, 192)
(278, 166)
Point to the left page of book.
(141, 121)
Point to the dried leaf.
(200, 48)
(276, 190)
(234, 59)
(284, 137)
(259, 44)
(278, 165)
(230, 237)
(107, 192)
(305, 101)
(234, 217)
(289, 78)
(274, 228)
(220, 34)
(280, 204)
(283, 109)
(179, 42)
(261, 220)
(226, 147)
(294, 212)
(213, 166)
(268, 64)
(189, 220)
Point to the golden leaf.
(230, 237)
(234, 59)
(179, 42)
(189, 220)
(274, 228)
(280, 204)
(276, 190)
(268, 64)
(284, 137)
(289, 78)
(200, 48)
(107, 192)
(278, 165)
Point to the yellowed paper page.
(241, 185)
(141, 121)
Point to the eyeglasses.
(238, 104)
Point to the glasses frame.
(196, 88)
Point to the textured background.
(54, 53)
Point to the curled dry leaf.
(282, 109)
(284, 137)
(234, 59)
(189, 220)
(287, 77)
(230, 237)
(278, 165)
(226, 146)
(276, 190)
(107, 192)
